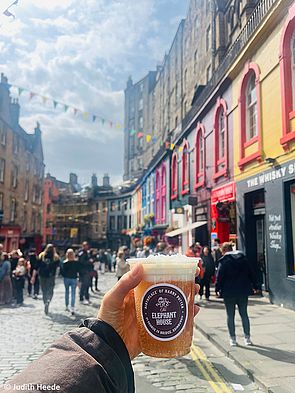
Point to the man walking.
(85, 272)
(235, 282)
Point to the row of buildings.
(213, 154)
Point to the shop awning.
(188, 228)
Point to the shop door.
(261, 251)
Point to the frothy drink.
(165, 305)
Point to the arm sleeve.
(91, 358)
(219, 277)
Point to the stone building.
(21, 177)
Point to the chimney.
(94, 181)
(14, 112)
(73, 179)
(106, 181)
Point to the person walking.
(86, 268)
(69, 270)
(5, 280)
(109, 260)
(217, 252)
(19, 275)
(235, 282)
(209, 271)
(34, 280)
(122, 265)
(48, 264)
(102, 261)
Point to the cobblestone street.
(26, 332)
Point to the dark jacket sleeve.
(91, 358)
(219, 277)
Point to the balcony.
(258, 15)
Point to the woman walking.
(122, 265)
(19, 275)
(48, 263)
(5, 280)
(69, 271)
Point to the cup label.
(164, 311)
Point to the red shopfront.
(9, 237)
(223, 213)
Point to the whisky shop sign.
(275, 174)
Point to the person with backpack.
(48, 263)
(235, 281)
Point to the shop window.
(221, 139)
(174, 176)
(158, 196)
(163, 194)
(287, 70)
(185, 169)
(200, 157)
(249, 113)
(290, 232)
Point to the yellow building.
(263, 87)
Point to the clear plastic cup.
(164, 302)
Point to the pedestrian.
(109, 260)
(96, 357)
(19, 275)
(235, 282)
(86, 267)
(34, 281)
(70, 270)
(122, 265)
(209, 271)
(217, 252)
(5, 280)
(114, 260)
(48, 264)
(102, 261)
(14, 257)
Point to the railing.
(257, 16)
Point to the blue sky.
(82, 53)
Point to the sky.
(81, 54)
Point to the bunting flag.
(44, 99)
(93, 118)
(139, 134)
(55, 103)
(180, 148)
(118, 125)
(154, 139)
(85, 115)
(172, 146)
(75, 111)
(132, 132)
(167, 145)
(66, 107)
(148, 138)
(32, 95)
(20, 90)
(102, 121)
(111, 124)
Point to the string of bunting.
(149, 138)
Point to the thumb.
(129, 281)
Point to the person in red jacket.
(96, 357)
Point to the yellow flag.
(172, 146)
(85, 114)
(180, 148)
(148, 138)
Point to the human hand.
(32, 281)
(118, 309)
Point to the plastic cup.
(164, 302)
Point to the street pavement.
(271, 360)
(26, 332)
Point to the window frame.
(12, 213)
(185, 169)
(288, 107)
(249, 69)
(3, 135)
(2, 170)
(158, 196)
(218, 161)
(174, 176)
(199, 174)
(14, 176)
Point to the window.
(141, 122)
(120, 223)
(163, 194)
(119, 206)
(195, 61)
(113, 206)
(130, 222)
(287, 70)
(25, 221)
(208, 38)
(125, 223)
(1, 201)
(249, 112)
(200, 157)
(125, 204)
(3, 135)
(12, 210)
(140, 105)
(27, 191)
(251, 115)
(220, 139)
(158, 196)
(15, 144)
(208, 74)
(2, 170)
(174, 176)
(112, 223)
(14, 173)
(37, 195)
(185, 169)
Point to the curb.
(250, 373)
